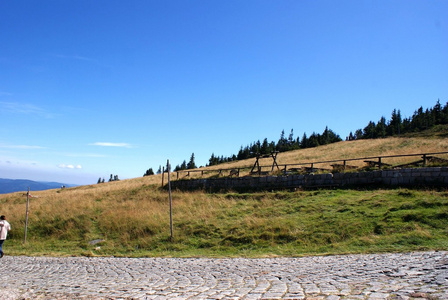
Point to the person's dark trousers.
(1, 245)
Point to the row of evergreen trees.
(186, 166)
(112, 178)
(328, 136)
(183, 166)
(420, 120)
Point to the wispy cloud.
(76, 57)
(5, 94)
(69, 166)
(82, 59)
(106, 144)
(26, 109)
(25, 147)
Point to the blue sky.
(93, 88)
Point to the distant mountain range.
(22, 185)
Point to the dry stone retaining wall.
(399, 177)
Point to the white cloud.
(69, 166)
(106, 144)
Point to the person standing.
(4, 228)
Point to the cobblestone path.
(415, 275)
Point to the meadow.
(131, 217)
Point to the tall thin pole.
(26, 214)
(171, 205)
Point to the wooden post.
(169, 192)
(256, 164)
(26, 214)
(274, 163)
(379, 162)
(424, 160)
(345, 163)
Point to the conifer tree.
(191, 164)
(380, 130)
(291, 140)
(264, 147)
(359, 134)
(313, 140)
(444, 114)
(351, 137)
(212, 160)
(282, 142)
(369, 131)
(437, 112)
(148, 172)
(304, 143)
(394, 126)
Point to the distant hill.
(19, 185)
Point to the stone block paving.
(416, 275)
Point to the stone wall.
(399, 177)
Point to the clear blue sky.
(93, 88)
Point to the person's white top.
(4, 228)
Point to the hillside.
(131, 217)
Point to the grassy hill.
(131, 217)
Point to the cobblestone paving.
(419, 275)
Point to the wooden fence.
(339, 165)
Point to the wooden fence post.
(171, 206)
(26, 214)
